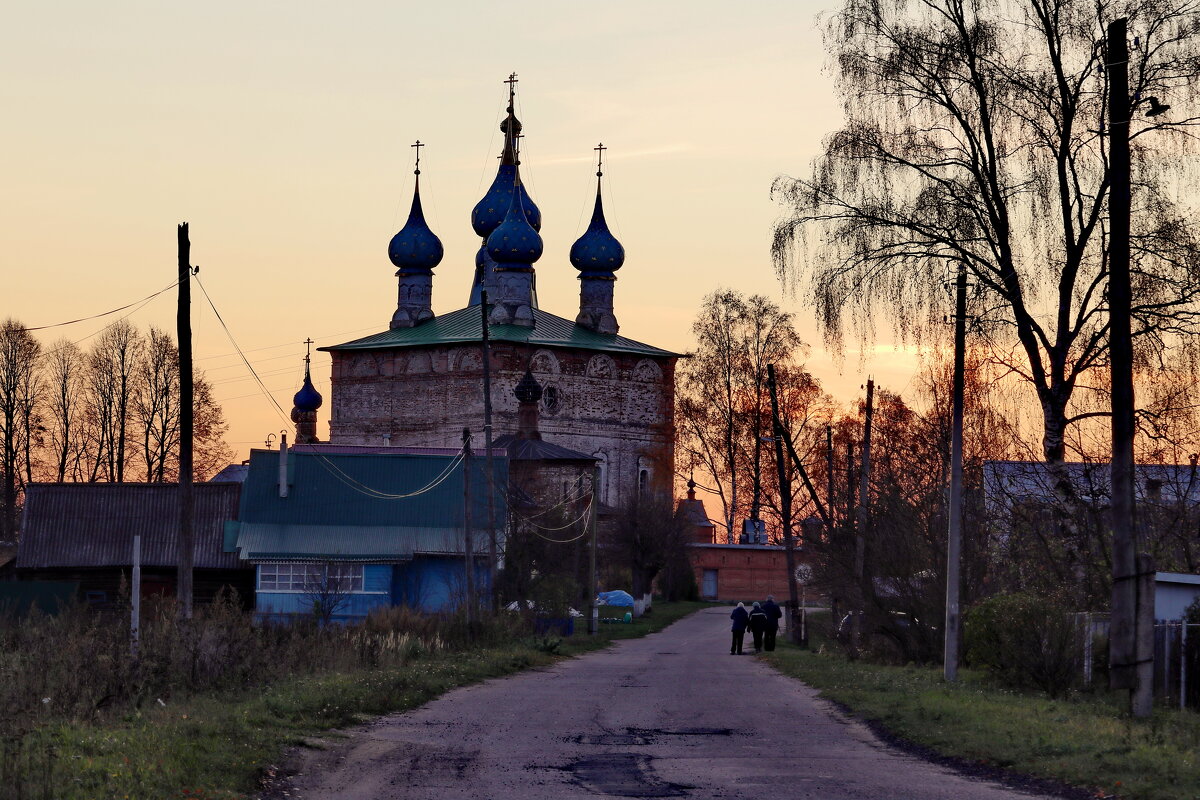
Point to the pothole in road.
(622, 775)
(611, 739)
(652, 733)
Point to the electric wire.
(332, 468)
(146, 299)
(562, 527)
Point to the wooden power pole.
(488, 463)
(468, 545)
(860, 523)
(1131, 647)
(954, 534)
(186, 539)
(785, 510)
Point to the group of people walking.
(763, 621)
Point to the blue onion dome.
(515, 240)
(597, 253)
(490, 211)
(308, 398)
(415, 248)
(528, 390)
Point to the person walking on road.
(774, 614)
(758, 624)
(740, 618)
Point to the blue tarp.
(616, 598)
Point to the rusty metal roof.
(93, 524)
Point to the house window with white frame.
(309, 577)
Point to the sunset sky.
(281, 132)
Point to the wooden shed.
(84, 532)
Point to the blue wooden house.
(361, 530)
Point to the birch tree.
(974, 133)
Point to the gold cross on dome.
(600, 148)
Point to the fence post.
(1183, 626)
(1166, 665)
(1087, 650)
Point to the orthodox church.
(419, 383)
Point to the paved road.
(668, 715)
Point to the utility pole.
(594, 616)
(135, 612)
(832, 522)
(185, 546)
(785, 509)
(1131, 654)
(468, 548)
(488, 462)
(860, 521)
(954, 535)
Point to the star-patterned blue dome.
(515, 240)
(415, 248)
(308, 398)
(597, 253)
(490, 211)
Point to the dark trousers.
(769, 639)
(736, 647)
(758, 639)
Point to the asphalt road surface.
(668, 715)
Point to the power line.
(146, 299)
(329, 466)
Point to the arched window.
(602, 465)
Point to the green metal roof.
(465, 325)
(364, 490)
(360, 507)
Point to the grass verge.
(224, 745)
(1085, 741)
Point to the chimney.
(283, 476)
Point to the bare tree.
(65, 364)
(974, 132)
(328, 588)
(210, 452)
(722, 400)
(156, 405)
(113, 372)
(19, 387)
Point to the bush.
(1026, 640)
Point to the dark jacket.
(774, 614)
(740, 617)
(758, 620)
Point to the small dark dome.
(528, 390)
(515, 240)
(415, 248)
(308, 398)
(597, 253)
(491, 210)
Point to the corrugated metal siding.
(93, 524)
(464, 325)
(267, 541)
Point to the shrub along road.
(668, 715)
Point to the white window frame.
(297, 578)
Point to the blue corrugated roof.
(465, 325)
